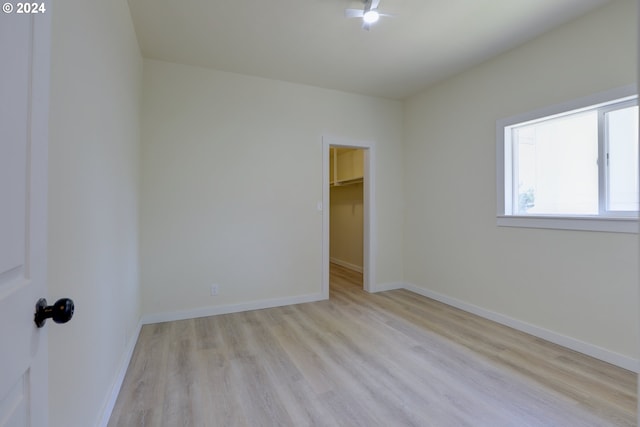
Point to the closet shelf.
(346, 166)
(350, 181)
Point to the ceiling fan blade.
(375, 4)
(366, 26)
(353, 13)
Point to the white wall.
(231, 175)
(93, 203)
(583, 285)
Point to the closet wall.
(346, 207)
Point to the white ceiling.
(311, 42)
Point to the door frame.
(368, 208)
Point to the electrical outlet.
(214, 290)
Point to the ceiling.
(311, 42)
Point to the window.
(571, 166)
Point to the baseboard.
(226, 309)
(346, 264)
(554, 337)
(381, 287)
(119, 379)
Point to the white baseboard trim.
(554, 337)
(346, 264)
(119, 379)
(226, 309)
(381, 287)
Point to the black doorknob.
(60, 312)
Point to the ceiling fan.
(369, 14)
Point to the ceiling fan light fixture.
(371, 16)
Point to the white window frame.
(617, 222)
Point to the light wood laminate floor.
(388, 359)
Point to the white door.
(24, 90)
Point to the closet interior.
(346, 180)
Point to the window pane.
(555, 166)
(622, 138)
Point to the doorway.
(347, 210)
(346, 182)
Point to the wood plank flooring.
(388, 359)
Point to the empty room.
(320, 212)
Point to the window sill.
(604, 224)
